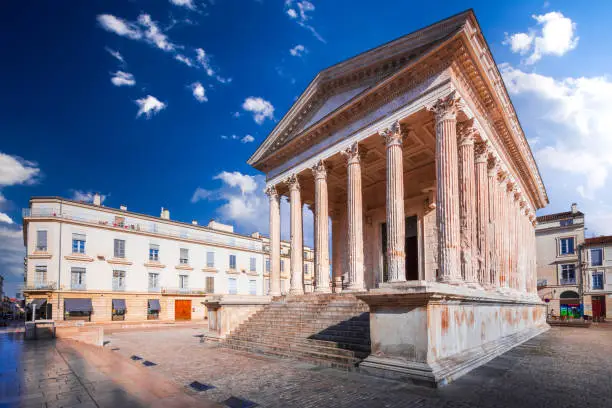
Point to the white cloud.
(144, 29)
(245, 204)
(184, 3)
(554, 34)
(116, 54)
(199, 92)
(298, 50)
(260, 108)
(300, 11)
(5, 218)
(185, 60)
(580, 145)
(14, 170)
(247, 139)
(203, 60)
(149, 105)
(86, 196)
(121, 78)
(119, 26)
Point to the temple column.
(467, 198)
(447, 189)
(275, 241)
(396, 220)
(502, 231)
(482, 214)
(336, 251)
(492, 169)
(297, 247)
(321, 229)
(355, 220)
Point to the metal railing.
(568, 281)
(40, 286)
(184, 291)
(137, 224)
(78, 286)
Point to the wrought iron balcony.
(78, 286)
(154, 289)
(184, 291)
(40, 286)
(571, 281)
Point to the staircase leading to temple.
(331, 330)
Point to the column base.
(360, 287)
(296, 291)
(323, 289)
(274, 293)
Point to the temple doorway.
(411, 249)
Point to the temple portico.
(412, 152)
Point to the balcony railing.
(184, 291)
(40, 286)
(119, 288)
(154, 289)
(137, 224)
(77, 286)
(568, 281)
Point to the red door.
(597, 308)
(182, 310)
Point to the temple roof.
(560, 216)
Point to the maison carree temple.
(414, 151)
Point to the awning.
(154, 305)
(78, 305)
(119, 305)
(38, 303)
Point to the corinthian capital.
(392, 135)
(481, 152)
(446, 108)
(352, 154)
(465, 132)
(271, 192)
(319, 170)
(293, 182)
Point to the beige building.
(596, 259)
(558, 240)
(415, 152)
(96, 263)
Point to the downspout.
(59, 271)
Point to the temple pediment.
(341, 84)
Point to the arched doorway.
(570, 305)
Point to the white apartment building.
(87, 261)
(596, 258)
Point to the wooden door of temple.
(182, 310)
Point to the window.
(232, 261)
(119, 221)
(305, 254)
(283, 286)
(253, 264)
(118, 280)
(153, 281)
(306, 269)
(233, 286)
(568, 274)
(184, 257)
(596, 257)
(183, 281)
(252, 287)
(268, 265)
(119, 248)
(154, 252)
(210, 259)
(77, 281)
(40, 277)
(597, 280)
(266, 286)
(41, 241)
(565, 223)
(566, 246)
(282, 265)
(210, 284)
(78, 243)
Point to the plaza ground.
(565, 367)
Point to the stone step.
(353, 344)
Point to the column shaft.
(447, 191)
(493, 223)
(321, 229)
(396, 220)
(467, 202)
(297, 247)
(355, 220)
(336, 252)
(275, 272)
(482, 214)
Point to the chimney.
(194, 222)
(123, 207)
(165, 214)
(97, 199)
(574, 208)
(256, 235)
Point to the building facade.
(559, 238)
(88, 261)
(596, 259)
(414, 151)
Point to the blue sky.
(160, 103)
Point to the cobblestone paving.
(565, 367)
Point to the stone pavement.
(49, 373)
(565, 367)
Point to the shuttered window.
(77, 278)
(153, 280)
(153, 252)
(119, 248)
(233, 286)
(184, 256)
(210, 284)
(253, 264)
(268, 265)
(41, 275)
(232, 261)
(118, 280)
(41, 240)
(183, 281)
(252, 287)
(78, 243)
(210, 259)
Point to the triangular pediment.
(339, 85)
